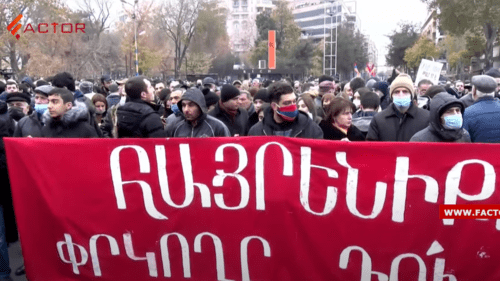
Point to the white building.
(315, 17)
(241, 26)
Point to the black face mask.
(16, 113)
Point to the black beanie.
(325, 78)
(18, 96)
(434, 90)
(262, 94)
(64, 79)
(211, 98)
(228, 92)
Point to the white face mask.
(122, 100)
(357, 103)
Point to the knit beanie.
(434, 90)
(64, 79)
(403, 80)
(211, 98)
(262, 94)
(228, 92)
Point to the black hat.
(434, 90)
(458, 103)
(105, 78)
(18, 96)
(86, 87)
(64, 79)
(262, 94)
(228, 92)
(211, 98)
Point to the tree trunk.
(491, 35)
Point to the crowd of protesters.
(137, 107)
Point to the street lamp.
(135, 35)
(330, 10)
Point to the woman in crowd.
(305, 104)
(338, 122)
(101, 106)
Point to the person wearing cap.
(194, 122)
(482, 119)
(283, 118)
(66, 117)
(19, 105)
(237, 84)
(229, 112)
(402, 118)
(495, 74)
(446, 121)
(209, 82)
(211, 99)
(105, 83)
(139, 118)
(87, 89)
(31, 125)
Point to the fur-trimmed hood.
(78, 113)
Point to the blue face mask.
(175, 109)
(41, 108)
(453, 122)
(402, 103)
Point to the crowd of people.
(137, 107)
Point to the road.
(16, 260)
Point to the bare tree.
(178, 20)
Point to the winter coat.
(331, 132)
(467, 100)
(301, 127)
(362, 119)
(139, 119)
(206, 125)
(435, 132)
(73, 124)
(236, 125)
(7, 125)
(113, 99)
(482, 120)
(29, 125)
(391, 125)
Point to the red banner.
(252, 209)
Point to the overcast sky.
(378, 18)
(381, 18)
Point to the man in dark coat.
(402, 118)
(139, 118)
(446, 122)
(66, 118)
(283, 118)
(194, 121)
(229, 112)
(32, 124)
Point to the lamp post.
(135, 35)
(330, 11)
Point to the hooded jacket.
(139, 119)
(482, 120)
(391, 125)
(301, 127)
(435, 132)
(73, 124)
(29, 125)
(237, 125)
(206, 125)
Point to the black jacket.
(139, 119)
(29, 125)
(301, 127)
(206, 125)
(73, 124)
(237, 125)
(435, 132)
(391, 125)
(331, 132)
